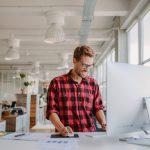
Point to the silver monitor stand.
(141, 141)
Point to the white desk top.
(84, 143)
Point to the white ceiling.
(26, 20)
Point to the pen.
(67, 130)
(19, 134)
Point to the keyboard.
(95, 134)
(139, 141)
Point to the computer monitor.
(126, 86)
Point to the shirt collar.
(69, 77)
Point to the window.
(133, 44)
(146, 36)
(102, 73)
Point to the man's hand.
(65, 131)
(103, 125)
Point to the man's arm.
(100, 116)
(59, 125)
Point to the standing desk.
(84, 143)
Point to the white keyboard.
(139, 141)
(95, 134)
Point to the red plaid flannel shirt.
(74, 103)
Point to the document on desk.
(59, 144)
(26, 136)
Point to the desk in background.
(16, 123)
(44, 128)
(2, 125)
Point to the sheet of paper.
(59, 144)
(27, 136)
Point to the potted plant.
(24, 84)
(27, 83)
(22, 76)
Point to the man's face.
(83, 66)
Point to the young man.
(74, 98)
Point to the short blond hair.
(83, 50)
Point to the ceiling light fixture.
(13, 52)
(55, 32)
(63, 61)
(36, 68)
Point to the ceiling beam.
(38, 35)
(40, 11)
(40, 3)
(67, 8)
(135, 8)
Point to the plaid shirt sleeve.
(97, 104)
(52, 99)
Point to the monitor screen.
(126, 86)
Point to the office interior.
(118, 31)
